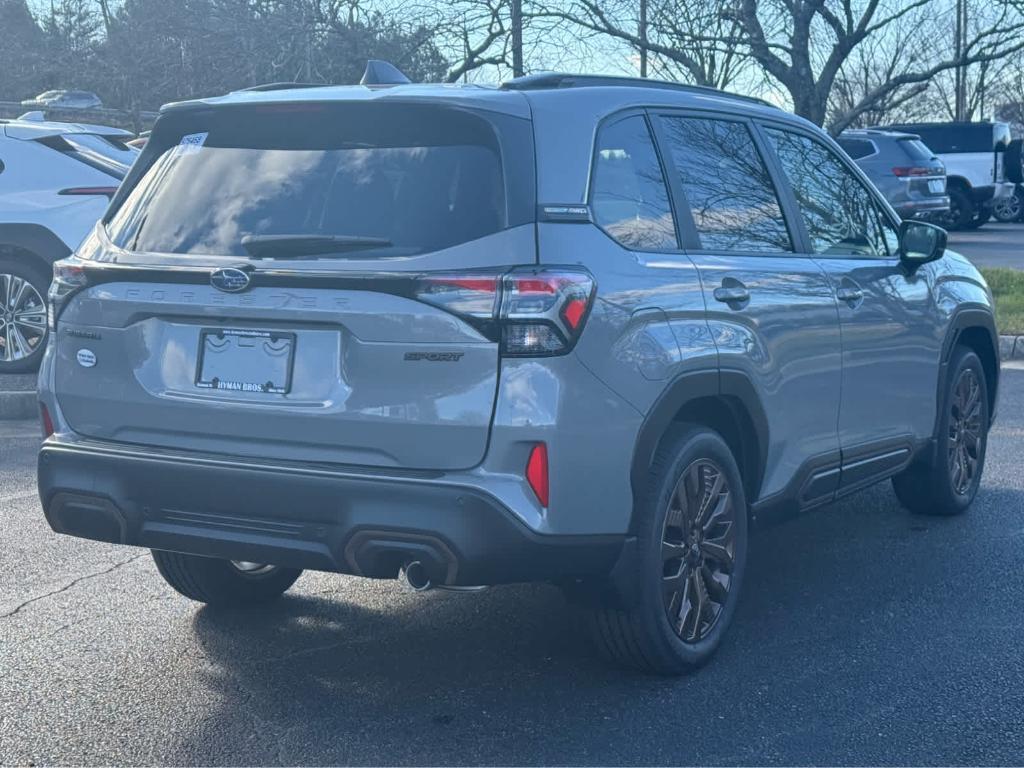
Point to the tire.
(981, 217)
(961, 210)
(940, 487)
(1010, 208)
(641, 635)
(222, 583)
(23, 331)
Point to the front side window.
(629, 198)
(728, 187)
(840, 214)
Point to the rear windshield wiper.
(297, 246)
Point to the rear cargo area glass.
(422, 178)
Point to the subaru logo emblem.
(230, 279)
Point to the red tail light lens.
(47, 422)
(912, 171)
(532, 312)
(543, 312)
(537, 472)
(69, 277)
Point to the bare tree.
(691, 40)
(805, 45)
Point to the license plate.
(242, 360)
(936, 186)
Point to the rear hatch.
(308, 281)
(923, 171)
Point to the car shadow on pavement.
(375, 674)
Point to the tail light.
(537, 472)
(903, 171)
(68, 278)
(530, 312)
(89, 191)
(45, 420)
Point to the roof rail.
(546, 80)
(281, 86)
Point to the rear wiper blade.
(297, 246)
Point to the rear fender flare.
(734, 387)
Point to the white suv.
(982, 162)
(55, 182)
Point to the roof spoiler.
(382, 73)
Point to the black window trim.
(613, 119)
(790, 212)
(881, 204)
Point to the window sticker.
(191, 144)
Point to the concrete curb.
(1011, 347)
(18, 397)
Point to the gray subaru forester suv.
(571, 329)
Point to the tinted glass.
(422, 179)
(954, 137)
(731, 196)
(837, 209)
(629, 198)
(112, 157)
(915, 149)
(857, 148)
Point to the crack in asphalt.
(70, 584)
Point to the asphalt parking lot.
(993, 245)
(865, 635)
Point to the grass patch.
(1008, 288)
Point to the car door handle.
(734, 294)
(849, 293)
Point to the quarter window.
(727, 185)
(840, 214)
(629, 197)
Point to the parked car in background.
(906, 171)
(56, 180)
(64, 99)
(1010, 208)
(574, 329)
(982, 165)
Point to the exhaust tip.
(414, 574)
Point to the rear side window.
(857, 148)
(727, 185)
(417, 178)
(840, 214)
(628, 196)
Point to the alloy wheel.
(1009, 208)
(965, 431)
(22, 318)
(698, 550)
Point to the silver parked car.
(64, 99)
(573, 329)
(903, 168)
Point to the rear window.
(857, 148)
(915, 149)
(422, 178)
(110, 155)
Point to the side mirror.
(921, 242)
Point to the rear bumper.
(912, 207)
(303, 516)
